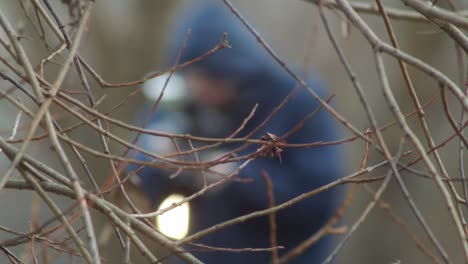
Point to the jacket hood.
(256, 76)
(208, 22)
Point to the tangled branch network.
(65, 129)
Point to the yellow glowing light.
(175, 222)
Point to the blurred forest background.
(125, 40)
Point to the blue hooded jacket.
(258, 79)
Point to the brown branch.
(271, 218)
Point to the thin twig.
(271, 218)
(372, 9)
(278, 207)
(369, 207)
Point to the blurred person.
(222, 90)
